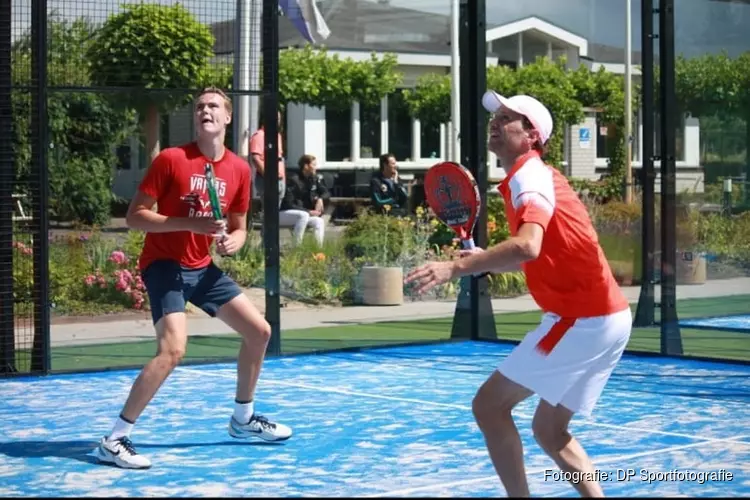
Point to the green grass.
(698, 343)
(713, 306)
(510, 326)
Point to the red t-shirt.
(176, 180)
(571, 277)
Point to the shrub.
(116, 282)
(375, 239)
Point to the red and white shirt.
(176, 179)
(571, 277)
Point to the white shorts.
(569, 361)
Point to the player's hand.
(207, 225)
(226, 244)
(315, 213)
(431, 274)
(465, 252)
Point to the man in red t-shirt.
(177, 268)
(258, 158)
(586, 324)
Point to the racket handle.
(469, 245)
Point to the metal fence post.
(671, 342)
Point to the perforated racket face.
(213, 197)
(453, 194)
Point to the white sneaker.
(121, 453)
(259, 427)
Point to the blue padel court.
(736, 323)
(390, 422)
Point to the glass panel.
(713, 218)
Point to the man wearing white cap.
(586, 324)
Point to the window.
(338, 134)
(606, 140)
(123, 156)
(399, 127)
(430, 140)
(369, 131)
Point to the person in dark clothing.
(304, 200)
(385, 189)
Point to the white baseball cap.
(536, 112)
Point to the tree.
(83, 126)
(311, 76)
(146, 49)
(430, 99)
(605, 92)
(706, 85)
(549, 82)
(546, 80)
(741, 78)
(716, 85)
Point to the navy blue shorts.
(170, 286)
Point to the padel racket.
(213, 197)
(452, 193)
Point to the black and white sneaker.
(259, 427)
(121, 452)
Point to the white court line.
(460, 407)
(465, 482)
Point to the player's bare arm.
(141, 217)
(506, 256)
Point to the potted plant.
(691, 255)
(373, 241)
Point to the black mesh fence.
(23, 242)
(92, 91)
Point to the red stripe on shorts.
(554, 335)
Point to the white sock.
(122, 428)
(243, 411)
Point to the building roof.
(361, 25)
(358, 25)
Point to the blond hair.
(217, 91)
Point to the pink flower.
(90, 279)
(21, 247)
(118, 257)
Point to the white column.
(691, 145)
(247, 73)
(549, 50)
(384, 146)
(628, 106)
(448, 142)
(443, 142)
(640, 136)
(573, 58)
(416, 139)
(455, 85)
(520, 50)
(355, 143)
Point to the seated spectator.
(385, 189)
(304, 201)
